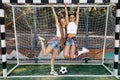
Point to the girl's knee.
(66, 56)
(45, 54)
(73, 56)
(53, 57)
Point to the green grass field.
(72, 70)
(63, 78)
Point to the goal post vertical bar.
(86, 35)
(116, 47)
(35, 34)
(15, 34)
(105, 34)
(3, 41)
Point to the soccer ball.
(63, 70)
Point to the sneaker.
(54, 73)
(84, 50)
(41, 39)
(80, 52)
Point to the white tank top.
(58, 34)
(72, 28)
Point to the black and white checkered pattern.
(2, 25)
(3, 41)
(117, 32)
(60, 1)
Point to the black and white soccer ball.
(63, 69)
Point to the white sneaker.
(41, 39)
(84, 50)
(80, 52)
(54, 73)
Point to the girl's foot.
(54, 73)
(41, 39)
(84, 50)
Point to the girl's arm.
(77, 14)
(55, 15)
(66, 14)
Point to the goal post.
(26, 37)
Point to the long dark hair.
(72, 14)
(63, 35)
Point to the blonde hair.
(64, 35)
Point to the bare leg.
(72, 51)
(66, 51)
(55, 53)
(47, 50)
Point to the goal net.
(95, 32)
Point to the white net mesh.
(32, 22)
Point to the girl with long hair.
(71, 49)
(56, 42)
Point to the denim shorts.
(70, 42)
(55, 44)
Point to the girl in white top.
(55, 43)
(70, 48)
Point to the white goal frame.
(3, 41)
